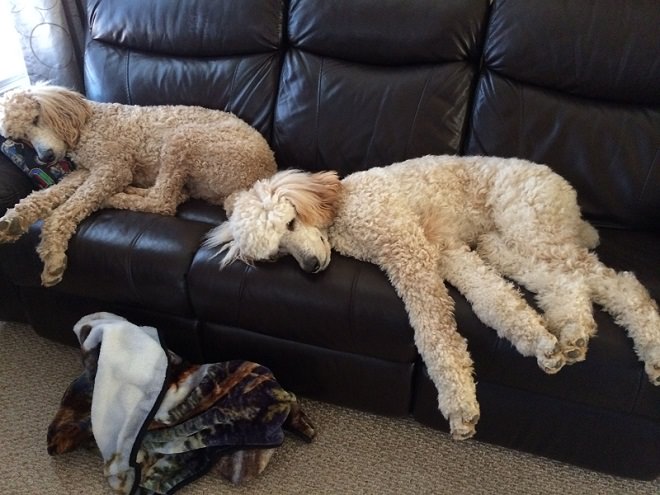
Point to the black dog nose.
(47, 156)
(311, 264)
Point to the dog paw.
(463, 427)
(136, 191)
(653, 372)
(575, 350)
(52, 278)
(574, 337)
(462, 422)
(10, 226)
(551, 362)
(10, 229)
(53, 272)
(119, 201)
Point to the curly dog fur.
(465, 220)
(146, 159)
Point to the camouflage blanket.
(160, 422)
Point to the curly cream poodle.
(465, 220)
(143, 158)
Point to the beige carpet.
(354, 452)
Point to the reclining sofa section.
(352, 84)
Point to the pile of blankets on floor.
(160, 422)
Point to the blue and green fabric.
(41, 174)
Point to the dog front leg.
(38, 204)
(60, 226)
(500, 306)
(410, 263)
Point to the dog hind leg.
(631, 306)
(561, 292)
(168, 191)
(499, 305)
(163, 197)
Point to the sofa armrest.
(14, 184)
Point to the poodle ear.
(325, 187)
(222, 236)
(62, 110)
(314, 195)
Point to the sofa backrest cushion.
(219, 54)
(370, 82)
(576, 85)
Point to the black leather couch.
(351, 84)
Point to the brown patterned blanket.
(161, 422)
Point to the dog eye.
(35, 121)
(291, 225)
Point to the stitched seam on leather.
(228, 107)
(128, 88)
(642, 379)
(351, 302)
(471, 136)
(521, 120)
(318, 112)
(132, 249)
(656, 159)
(419, 105)
(241, 292)
(373, 135)
(282, 50)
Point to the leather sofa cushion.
(600, 50)
(598, 410)
(346, 378)
(120, 257)
(611, 377)
(350, 307)
(615, 443)
(203, 29)
(352, 95)
(147, 53)
(552, 91)
(388, 32)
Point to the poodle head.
(289, 213)
(49, 118)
